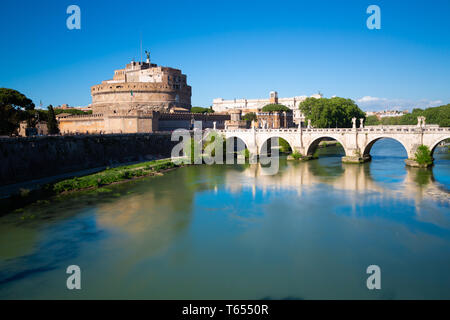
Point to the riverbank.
(109, 176)
(112, 175)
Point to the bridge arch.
(265, 140)
(314, 144)
(434, 145)
(369, 145)
(239, 143)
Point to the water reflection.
(231, 232)
(414, 183)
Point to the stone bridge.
(356, 142)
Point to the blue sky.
(234, 49)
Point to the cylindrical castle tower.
(142, 86)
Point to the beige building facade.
(255, 105)
(137, 121)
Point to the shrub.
(296, 155)
(423, 155)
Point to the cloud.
(367, 99)
(368, 103)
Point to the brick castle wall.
(137, 122)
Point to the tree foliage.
(52, 124)
(285, 147)
(72, 111)
(275, 108)
(14, 107)
(201, 110)
(251, 116)
(328, 113)
(435, 115)
(372, 121)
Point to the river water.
(231, 232)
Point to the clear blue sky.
(234, 49)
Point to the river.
(231, 232)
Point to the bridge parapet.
(393, 129)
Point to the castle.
(142, 97)
(142, 86)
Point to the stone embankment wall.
(25, 159)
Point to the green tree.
(201, 110)
(328, 113)
(13, 109)
(275, 108)
(52, 124)
(285, 147)
(251, 116)
(434, 115)
(72, 111)
(372, 121)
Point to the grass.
(111, 175)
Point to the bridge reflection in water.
(418, 184)
(396, 182)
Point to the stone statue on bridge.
(421, 122)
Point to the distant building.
(63, 107)
(85, 109)
(386, 113)
(39, 129)
(264, 120)
(256, 105)
(274, 120)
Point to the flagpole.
(141, 47)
